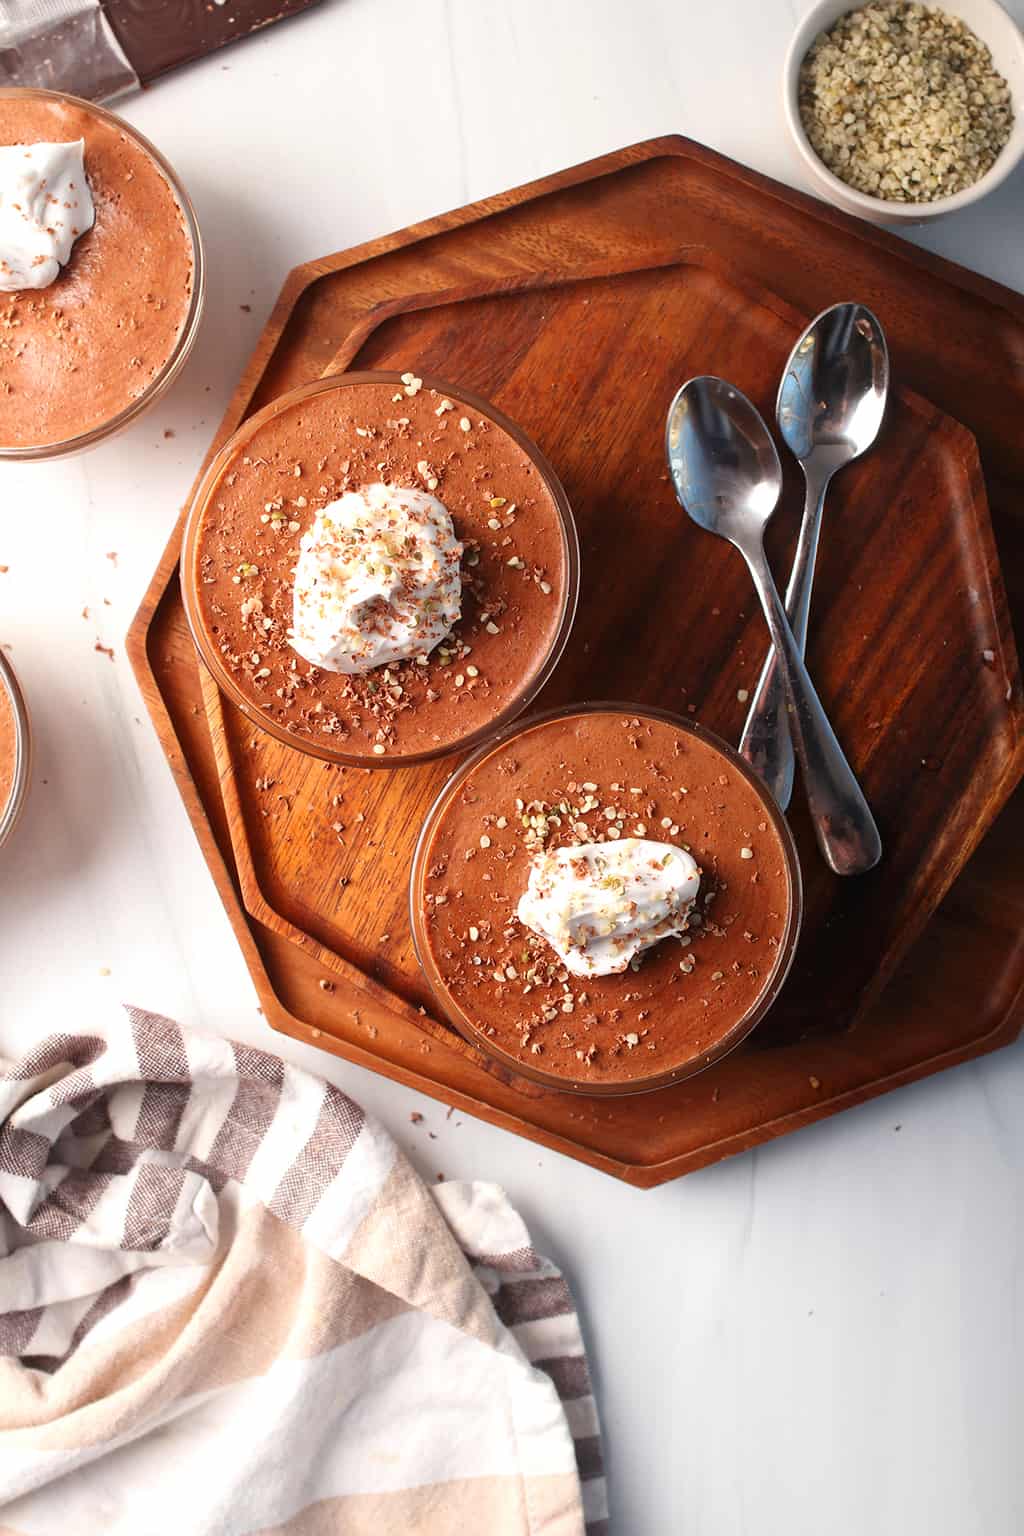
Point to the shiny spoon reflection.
(829, 410)
(727, 476)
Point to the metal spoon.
(830, 406)
(728, 478)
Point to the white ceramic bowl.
(987, 20)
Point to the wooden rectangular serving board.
(577, 305)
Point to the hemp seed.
(903, 102)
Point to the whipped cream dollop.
(599, 905)
(378, 580)
(45, 204)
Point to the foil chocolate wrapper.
(63, 45)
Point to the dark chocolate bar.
(158, 35)
(101, 49)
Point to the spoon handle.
(766, 742)
(843, 823)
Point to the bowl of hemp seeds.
(903, 112)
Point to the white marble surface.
(823, 1336)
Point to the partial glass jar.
(262, 492)
(89, 354)
(15, 749)
(581, 775)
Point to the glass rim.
(26, 452)
(663, 1078)
(225, 680)
(10, 812)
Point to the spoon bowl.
(832, 396)
(723, 461)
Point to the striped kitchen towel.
(228, 1305)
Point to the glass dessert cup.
(78, 442)
(330, 749)
(21, 771)
(427, 864)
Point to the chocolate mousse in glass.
(379, 569)
(101, 284)
(605, 899)
(15, 749)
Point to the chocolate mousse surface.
(591, 777)
(8, 748)
(76, 354)
(243, 544)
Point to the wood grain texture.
(637, 270)
(667, 618)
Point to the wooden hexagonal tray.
(577, 306)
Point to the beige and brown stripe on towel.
(228, 1305)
